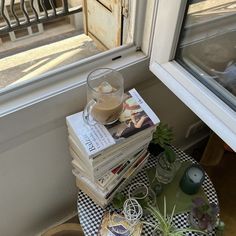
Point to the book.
(114, 224)
(101, 201)
(93, 140)
(107, 154)
(83, 178)
(131, 172)
(117, 173)
(114, 160)
(100, 197)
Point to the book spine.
(119, 159)
(99, 201)
(77, 149)
(82, 171)
(79, 162)
(120, 173)
(137, 165)
(106, 194)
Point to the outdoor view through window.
(37, 36)
(207, 46)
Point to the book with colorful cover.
(100, 200)
(131, 173)
(88, 186)
(114, 224)
(114, 161)
(117, 173)
(94, 139)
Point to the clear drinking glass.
(105, 91)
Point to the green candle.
(192, 179)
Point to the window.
(207, 46)
(39, 37)
(194, 55)
(70, 76)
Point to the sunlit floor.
(203, 11)
(34, 62)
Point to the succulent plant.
(163, 135)
(205, 213)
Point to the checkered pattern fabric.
(90, 214)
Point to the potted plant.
(168, 164)
(162, 136)
(164, 223)
(203, 215)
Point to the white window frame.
(67, 78)
(204, 103)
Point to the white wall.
(170, 110)
(37, 187)
(36, 184)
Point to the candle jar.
(165, 170)
(192, 179)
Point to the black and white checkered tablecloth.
(90, 214)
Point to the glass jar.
(166, 171)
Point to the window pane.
(38, 36)
(207, 46)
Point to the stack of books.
(105, 158)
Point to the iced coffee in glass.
(105, 91)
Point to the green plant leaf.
(163, 135)
(118, 200)
(170, 154)
(165, 225)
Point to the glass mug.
(105, 92)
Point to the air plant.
(164, 223)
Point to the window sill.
(23, 95)
(32, 110)
(207, 106)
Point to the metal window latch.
(125, 8)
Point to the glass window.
(37, 37)
(207, 46)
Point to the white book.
(144, 155)
(108, 192)
(94, 139)
(97, 195)
(106, 156)
(115, 160)
(127, 179)
(115, 174)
